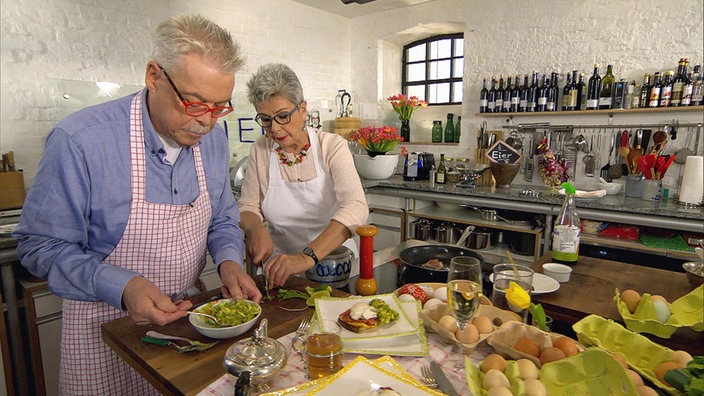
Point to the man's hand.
(237, 284)
(147, 304)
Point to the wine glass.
(464, 289)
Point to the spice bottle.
(565, 237)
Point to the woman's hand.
(259, 245)
(236, 283)
(281, 266)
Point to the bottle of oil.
(565, 237)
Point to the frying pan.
(411, 261)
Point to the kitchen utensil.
(589, 160)
(659, 140)
(700, 253)
(615, 170)
(411, 260)
(180, 348)
(481, 239)
(580, 143)
(624, 150)
(684, 151)
(636, 151)
(604, 172)
(464, 235)
(334, 269)
(211, 317)
(444, 384)
(202, 345)
(428, 377)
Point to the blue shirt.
(77, 207)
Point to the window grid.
(449, 86)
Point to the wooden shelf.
(593, 112)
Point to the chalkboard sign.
(502, 153)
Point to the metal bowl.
(695, 273)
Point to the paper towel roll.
(692, 188)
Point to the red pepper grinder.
(366, 284)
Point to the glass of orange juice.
(322, 349)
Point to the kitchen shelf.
(429, 143)
(594, 112)
(636, 247)
(462, 215)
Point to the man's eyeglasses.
(281, 119)
(196, 109)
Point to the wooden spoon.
(660, 140)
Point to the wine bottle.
(436, 132)
(565, 237)
(498, 107)
(516, 95)
(543, 94)
(525, 91)
(442, 171)
(635, 98)
(458, 129)
(645, 91)
(507, 97)
(581, 93)
(655, 89)
(594, 89)
(566, 93)
(533, 93)
(450, 129)
(553, 91)
(574, 101)
(483, 98)
(606, 93)
(666, 89)
(687, 85)
(492, 97)
(697, 86)
(678, 84)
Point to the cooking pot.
(446, 233)
(481, 238)
(421, 229)
(515, 217)
(262, 357)
(411, 260)
(521, 243)
(334, 269)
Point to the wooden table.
(172, 373)
(591, 289)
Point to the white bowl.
(559, 272)
(199, 323)
(377, 168)
(611, 188)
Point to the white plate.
(542, 284)
(362, 374)
(330, 308)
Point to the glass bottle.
(436, 132)
(594, 89)
(654, 100)
(449, 129)
(533, 93)
(442, 171)
(581, 93)
(516, 96)
(553, 91)
(507, 98)
(687, 87)
(678, 84)
(543, 94)
(458, 129)
(565, 236)
(566, 93)
(523, 102)
(491, 101)
(483, 99)
(666, 90)
(499, 95)
(645, 92)
(697, 87)
(606, 93)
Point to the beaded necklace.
(296, 160)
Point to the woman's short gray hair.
(274, 79)
(190, 33)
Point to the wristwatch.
(310, 253)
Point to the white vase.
(376, 168)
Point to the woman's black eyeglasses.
(196, 109)
(281, 119)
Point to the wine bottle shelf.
(592, 112)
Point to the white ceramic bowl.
(377, 168)
(559, 272)
(611, 188)
(199, 323)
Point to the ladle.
(580, 143)
(465, 235)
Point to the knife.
(443, 383)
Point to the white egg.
(432, 302)
(441, 293)
(662, 311)
(406, 298)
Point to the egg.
(528, 346)
(483, 324)
(662, 311)
(406, 298)
(635, 377)
(494, 378)
(433, 302)
(643, 390)
(566, 345)
(493, 361)
(448, 323)
(663, 368)
(681, 358)
(499, 391)
(658, 297)
(527, 369)
(441, 293)
(469, 335)
(551, 354)
(534, 387)
(620, 358)
(631, 298)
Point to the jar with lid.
(436, 133)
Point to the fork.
(428, 377)
(198, 344)
(303, 327)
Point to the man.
(128, 196)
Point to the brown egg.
(527, 369)
(551, 354)
(631, 298)
(494, 378)
(635, 377)
(483, 324)
(495, 362)
(643, 390)
(566, 345)
(499, 391)
(469, 335)
(534, 387)
(526, 345)
(681, 358)
(658, 297)
(620, 358)
(663, 368)
(448, 323)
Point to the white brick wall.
(44, 41)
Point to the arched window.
(433, 68)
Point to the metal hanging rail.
(607, 126)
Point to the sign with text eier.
(502, 153)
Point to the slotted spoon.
(604, 172)
(616, 170)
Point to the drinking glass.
(503, 275)
(321, 349)
(464, 289)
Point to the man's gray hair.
(274, 79)
(189, 33)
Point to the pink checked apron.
(298, 212)
(163, 242)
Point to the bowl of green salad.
(234, 317)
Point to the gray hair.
(190, 33)
(274, 79)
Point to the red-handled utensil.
(662, 169)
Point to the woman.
(301, 195)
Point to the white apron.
(163, 242)
(298, 212)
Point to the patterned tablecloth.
(294, 373)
